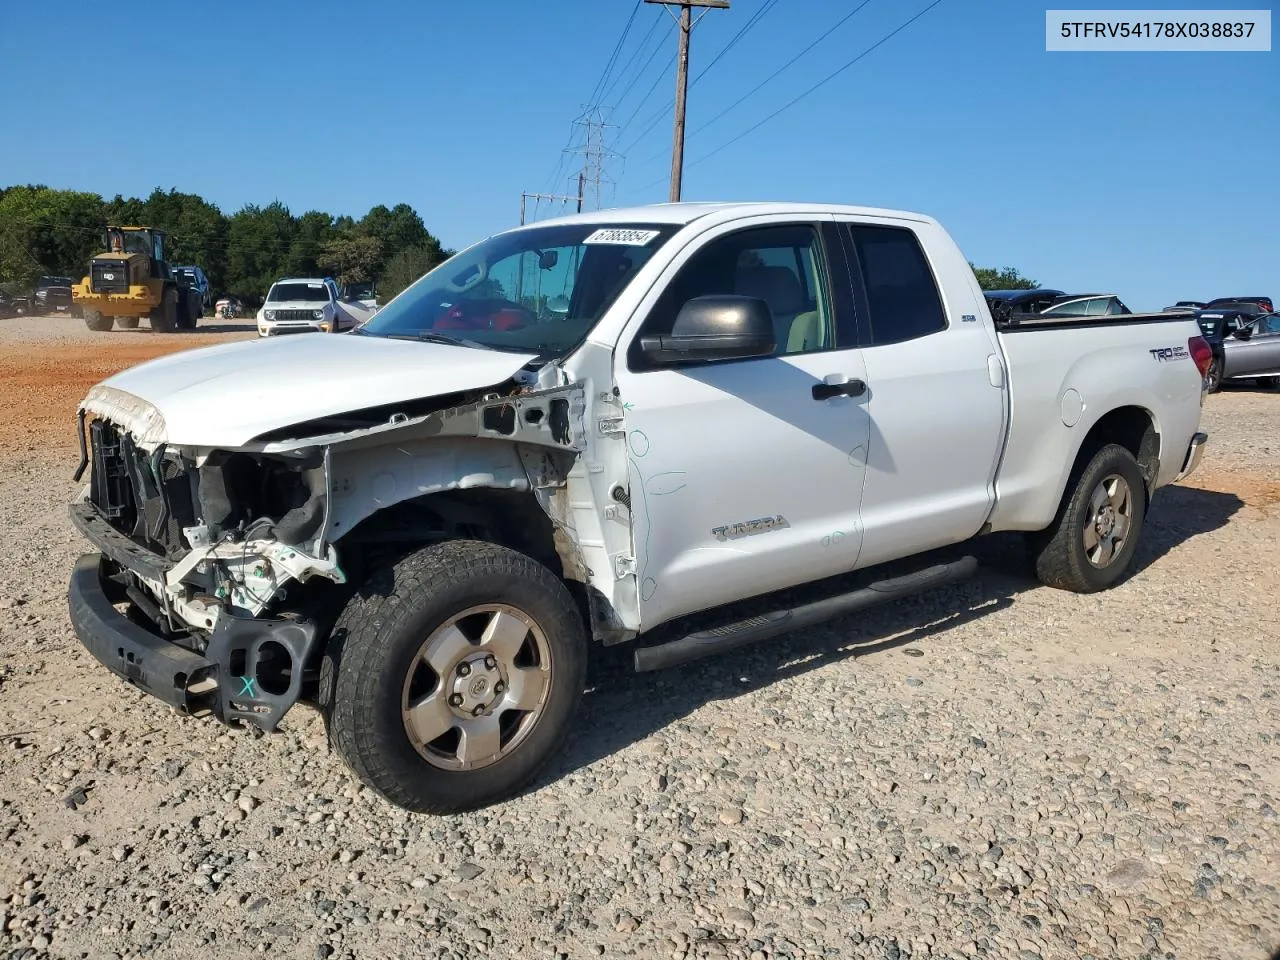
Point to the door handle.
(847, 388)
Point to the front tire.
(96, 321)
(164, 318)
(1092, 542)
(451, 678)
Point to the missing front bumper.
(251, 672)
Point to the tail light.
(1201, 353)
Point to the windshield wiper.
(428, 336)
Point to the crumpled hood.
(225, 396)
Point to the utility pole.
(686, 23)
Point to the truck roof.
(685, 213)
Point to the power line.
(791, 103)
(832, 29)
(604, 97)
(613, 58)
(653, 87)
(746, 28)
(595, 91)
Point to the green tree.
(407, 266)
(44, 231)
(1006, 278)
(315, 231)
(258, 242)
(355, 259)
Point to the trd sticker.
(1165, 354)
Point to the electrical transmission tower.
(593, 152)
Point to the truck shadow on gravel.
(622, 707)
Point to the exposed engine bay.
(201, 534)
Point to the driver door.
(742, 478)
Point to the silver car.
(1253, 351)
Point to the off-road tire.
(164, 318)
(1059, 551)
(377, 637)
(1213, 376)
(127, 323)
(96, 321)
(189, 313)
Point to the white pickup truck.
(619, 426)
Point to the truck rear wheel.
(1093, 539)
(452, 676)
(96, 321)
(164, 318)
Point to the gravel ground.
(991, 770)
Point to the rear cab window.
(894, 286)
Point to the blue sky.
(1149, 174)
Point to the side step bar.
(719, 639)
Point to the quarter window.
(901, 294)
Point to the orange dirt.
(40, 387)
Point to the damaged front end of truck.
(230, 565)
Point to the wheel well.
(1132, 428)
(512, 518)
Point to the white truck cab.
(683, 426)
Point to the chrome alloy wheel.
(1109, 520)
(476, 687)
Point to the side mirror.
(722, 327)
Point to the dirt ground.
(995, 769)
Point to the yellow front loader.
(132, 281)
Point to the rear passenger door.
(935, 389)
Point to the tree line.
(55, 232)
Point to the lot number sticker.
(630, 238)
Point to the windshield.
(306, 292)
(53, 282)
(538, 290)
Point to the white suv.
(297, 305)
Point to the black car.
(53, 295)
(1010, 306)
(1261, 305)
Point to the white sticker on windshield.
(630, 238)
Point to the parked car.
(53, 295)
(195, 279)
(228, 307)
(1249, 351)
(1006, 305)
(7, 306)
(1260, 304)
(299, 305)
(1086, 305)
(745, 413)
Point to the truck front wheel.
(451, 677)
(1093, 539)
(96, 321)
